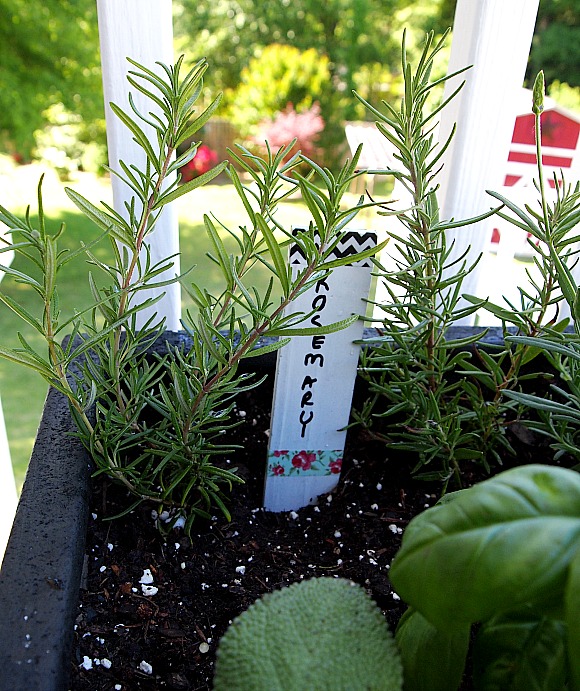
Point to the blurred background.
(270, 60)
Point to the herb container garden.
(159, 594)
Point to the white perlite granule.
(145, 667)
(147, 576)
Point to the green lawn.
(21, 390)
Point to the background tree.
(555, 45)
(301, 78)
(48, 54)
(556, 42)
(230, 32)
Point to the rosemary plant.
(436, 397)
(408, 366)
(155, 424)
(551, 228)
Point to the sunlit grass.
(22, 391)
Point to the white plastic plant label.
(314, 383)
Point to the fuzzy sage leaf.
(254, 654)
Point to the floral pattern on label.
(286, 463)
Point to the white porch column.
(143, 31)
(495, 37)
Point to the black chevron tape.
(351, 243)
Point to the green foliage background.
(49, 51)
(48, 54)
(556, 43)
(359, 38)
(301, 78)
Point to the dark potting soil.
(125, 639)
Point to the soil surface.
(128, 638)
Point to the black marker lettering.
(308, 381)
(319, 303)
(321, 283)
(311, 359)
(318, 342)
(304, 421)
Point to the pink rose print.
(303, 460)
(278, 470)
(277, 453)
(335, 466)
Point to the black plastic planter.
(41, 571)
(42, 568)
(43, 563)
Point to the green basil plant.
(503, 555)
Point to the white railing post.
(8, 494)
(494, 36)
(143, 31)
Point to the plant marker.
(314, 384)
(143, 31)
